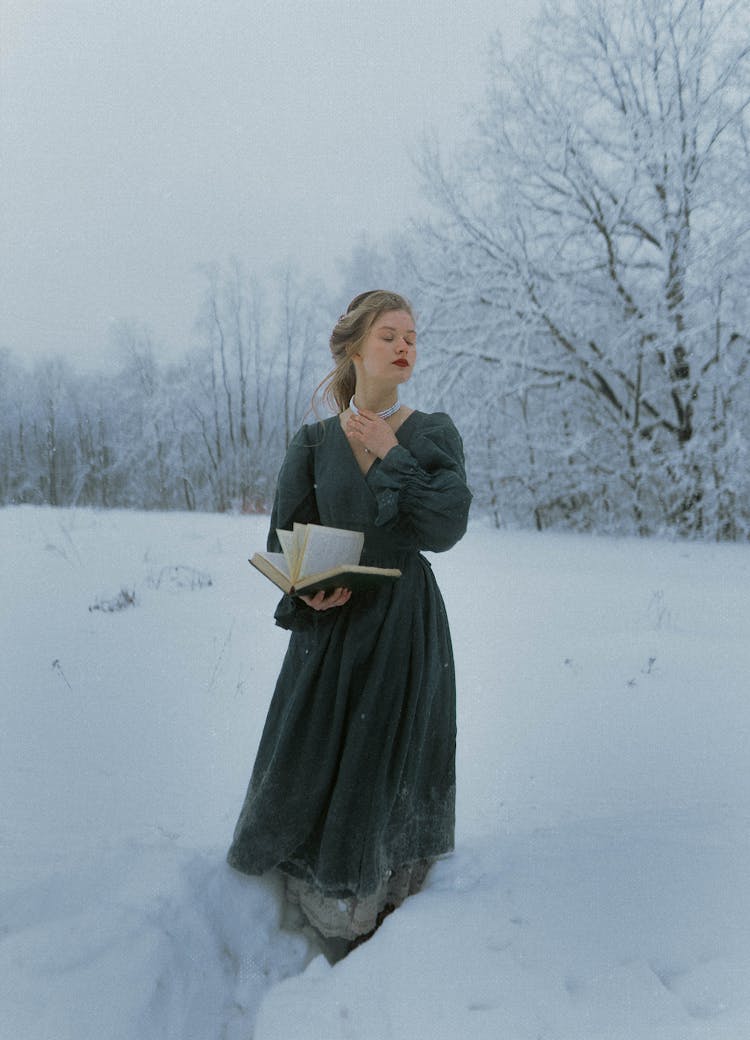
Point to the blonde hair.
(349, 333)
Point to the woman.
(353, 791)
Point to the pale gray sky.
(140, 139)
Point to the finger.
(319, 601)
(316, 601)
(337, 598)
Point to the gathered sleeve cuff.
(294, 615)
(424, 487)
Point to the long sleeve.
(422, 487)
(294, 502)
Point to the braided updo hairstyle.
(347, 337)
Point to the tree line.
(581, 290)
(205, 433)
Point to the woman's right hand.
(323, 600)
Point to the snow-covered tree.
(591, 260)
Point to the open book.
(316, 557)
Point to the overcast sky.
(141, 139)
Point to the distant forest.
(581, 292)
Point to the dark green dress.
(355, 773)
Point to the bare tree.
(144, 446)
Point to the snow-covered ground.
(601, 881)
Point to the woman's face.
(389, 351)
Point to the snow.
(600, 884)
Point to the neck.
(374, 400)
(384, 413)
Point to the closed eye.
(390, 339)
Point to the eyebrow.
(392, 328)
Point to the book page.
(286, 541)
(327, 547)
(292, 545)
(278, 560)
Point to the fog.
(141, 141)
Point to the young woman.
(353, 791)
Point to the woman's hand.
(371, 432)
(323, 600)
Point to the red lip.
(401, 363)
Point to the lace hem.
(354, 916)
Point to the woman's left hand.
(324, 600)
(371, 432)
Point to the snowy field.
(601, 881)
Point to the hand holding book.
(325, 599)
(315, 558)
